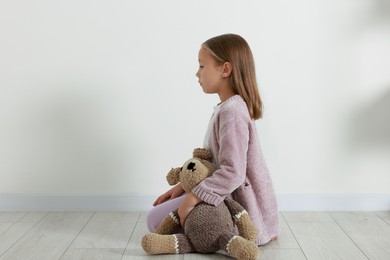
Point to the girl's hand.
(187, 205)
(175, 192)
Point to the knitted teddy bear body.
(208, 228)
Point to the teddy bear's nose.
(191, 166)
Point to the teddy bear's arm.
(245, 226)
(169, 224)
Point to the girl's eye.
(201, 67)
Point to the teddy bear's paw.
(242, 249)
(156, 244)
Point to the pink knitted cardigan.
(242, 173)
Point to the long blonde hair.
(234, 49)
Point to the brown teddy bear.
(208, 228)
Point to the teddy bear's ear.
(173, 176)
(202, 154)
(210, 166)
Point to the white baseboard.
(334, 201)
(133, 202)
(75, 202)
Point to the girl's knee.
(159, 212)
(151, 220)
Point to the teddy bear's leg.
(159, 244)
(241, 218)
(239, 247)
(245, 226)
(184, 244)
(166, 244)
(169, 224)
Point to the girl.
(226, 67)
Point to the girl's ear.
(226, 69)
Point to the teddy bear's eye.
(181, 168)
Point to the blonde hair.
(234, 49)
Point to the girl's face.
(209, 73)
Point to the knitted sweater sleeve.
(230, 147)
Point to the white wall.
(101, 96)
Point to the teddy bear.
(208, 228)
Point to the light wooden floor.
(116, 235)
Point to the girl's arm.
(175, 192)
(187, 205)
(233, 137)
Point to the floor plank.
(107, 230)
(93, 254)
(11, 216)
(385, 215)
(305, 216)
(13, 234)
(33, 216)
(285, 239)
(282, 254)
(4, 226)
(49, 238)
(215, 256)
(325, 241)
(368, 231)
